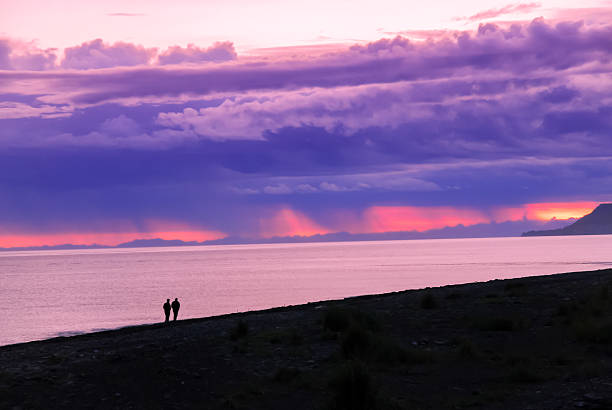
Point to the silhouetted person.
(167, 310)
(175, 307)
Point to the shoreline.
(142, 326)
(533, 342)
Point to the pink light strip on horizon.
(289, 222)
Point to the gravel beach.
(531, 343)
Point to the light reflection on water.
(51, 293)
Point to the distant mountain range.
(598, 222)
(485, 230)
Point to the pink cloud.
(17, 55)
(218, 52)
(508, 9)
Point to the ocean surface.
(59, 293)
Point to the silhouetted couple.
(175, 306)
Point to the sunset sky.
(198, 120)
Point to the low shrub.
(353, 387)
(285, 374)
(336, 319)
(240, 330)
(524, 374)
(466, 349)
(286, 336)
(593, 331)
(604, 292)
(390, 352)
(566, 309)
(339, 319)
(356, 342)
(454, 295)
(494, 324)
(513, 285)
(428, 301)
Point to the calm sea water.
(52, 293)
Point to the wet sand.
(531, 343)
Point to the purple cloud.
(121, 125)
(97, 54)
(218, 52)
(15, 55)
(537, 48)
(5, 51)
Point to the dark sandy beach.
(532, 343)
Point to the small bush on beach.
(339, 319)
(454, 295)
(524, 374)
(604, 292)
(294, 337)
(566, 309)
(588, 316)
(465, 348)
(289, 336)
(388, 351)
(336, 319)
(494, 324)
(513, 285)
(515, 288)
(240, 330)
(593, 331)
(285, 374)
(428, 301)
(356, 342)
(353, 387)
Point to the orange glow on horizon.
(559, 210)
(288, 222)
(544, 211)
(172, 231)
(412, 218)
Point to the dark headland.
(532, 343)
(598, 222)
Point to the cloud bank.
(366, 138)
